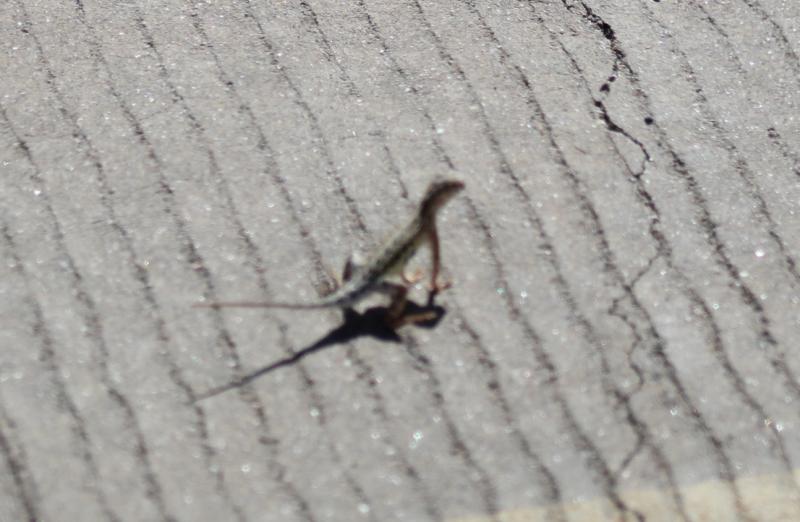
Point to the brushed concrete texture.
(624, 316)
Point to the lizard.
(370, 276)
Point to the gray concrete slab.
(620, 341)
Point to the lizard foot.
(412, 279)
(439, 286)
(414, 318)
(325, 287)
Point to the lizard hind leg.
(396, 315)
(352, 264)
(394, 312)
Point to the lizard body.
(389, 260)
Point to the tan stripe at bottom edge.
(767, 498)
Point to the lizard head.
(439, 192)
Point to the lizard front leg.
(435, 287)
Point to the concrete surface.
(621, 340)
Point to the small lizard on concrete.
(371, 276)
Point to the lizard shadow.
(370, 323)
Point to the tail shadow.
(370, 323)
